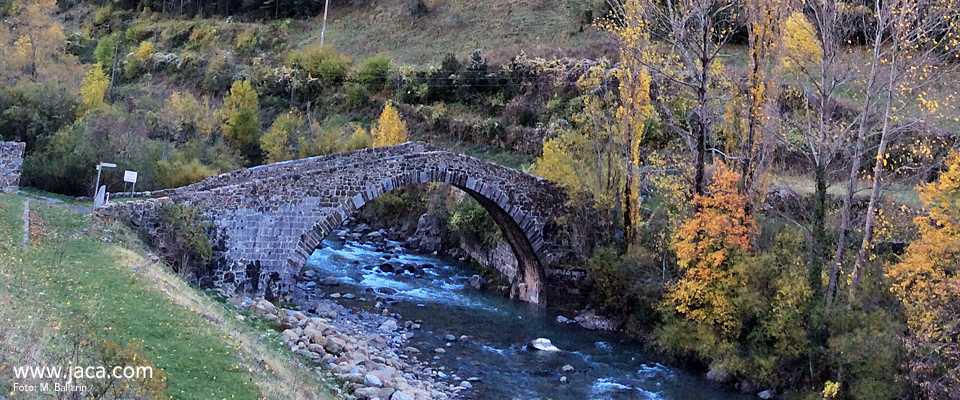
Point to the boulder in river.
(477, 282)
(543, 344)
(330, 281)
(767, 394)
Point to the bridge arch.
(269, 219)
(526, 285)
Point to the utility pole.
(323, 30)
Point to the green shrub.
(181, 173)
(375, 72)
(470, 218)
(322, 62)
(189, 248)
(103, 15)
(137, 33)
(105, 50)
(357, 95)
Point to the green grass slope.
(75, 290)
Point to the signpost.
(96, 188)
(130, 176)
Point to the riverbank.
(85, 293)
(470, 343)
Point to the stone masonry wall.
(269, 219)
(11, 164)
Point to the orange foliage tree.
(704, 246)
(927, 282)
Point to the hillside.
(83, 293)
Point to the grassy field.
(501, 28)
(84, 294)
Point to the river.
(492, 333)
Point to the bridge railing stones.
(274, 216)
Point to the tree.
(360, 139)
(279, 141)
(93, 88)
(186, 118)
(918, 39)
(38, 52)
(704, 246)
(240, 114)
(390, 128)
(764, 20)
(927, 282)
(811, 57)
(688, 67)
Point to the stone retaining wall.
(11, 164)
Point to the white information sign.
(130, 176)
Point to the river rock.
(563, 379)
(367, 393)
(563, 320)
(349, 296)
(450, 338)
(567, 368)
(439, 350)
(466, 385)
(543, 344)
(398, 395)
(336, 345)
(386, 291)
(264, 307)
(289, 336)
(387, 267)
(371, 380)
(334, 295)
(767, 394)
(477, 282)
(390, 325)
(718, 375)
(330, 281)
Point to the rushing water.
(497, 331)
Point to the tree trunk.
(819, 228)
(854, 177)
(877, 177)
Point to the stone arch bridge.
(268, 219)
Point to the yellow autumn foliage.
(801, 46)
(927, 281)
(277, 141)
(93, 87)
(390, 128)
(144, 51)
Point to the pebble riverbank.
(367, 351)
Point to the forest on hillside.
(769, 189)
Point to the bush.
(105, 51)
(323, 62)
(103, 15)
(360, 139)
(189, 248)
(470, 218)
(357, 95)
(375, 71)
(181, 173)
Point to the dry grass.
(501, 28)
(279, 375)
